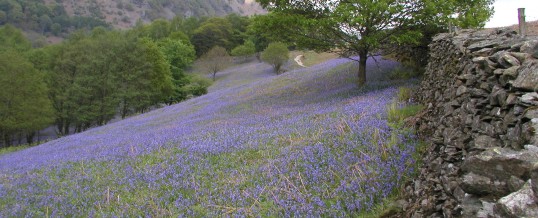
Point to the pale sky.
(506, 12)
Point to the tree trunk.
(363, 55)
(7, 140)
(30, 137)
(19, 138)
(66, 128)
(258, 56)
(60, 126)
(124, 109)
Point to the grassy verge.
(12, 149)
(312, 58)
(397, 112)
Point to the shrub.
(246, 49)
(198, 86)
(404, 73)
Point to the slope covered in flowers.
(308, 142)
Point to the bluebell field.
(309, 142)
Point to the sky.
(506, 12)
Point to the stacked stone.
(481, 122)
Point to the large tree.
(355, 27)
(24, 106)
(179, 55)
(214, 32)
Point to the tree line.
(94, 76)
(90, 78)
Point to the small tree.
(247, 49)
(215, 60)
(276, 54)
(243, 52)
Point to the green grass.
(404, 94)
(312, 58)
(11, 149)
(397, 112)
(404, 73)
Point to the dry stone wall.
(481, 123)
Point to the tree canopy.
(24, 106)
(358, 27)
(214, 32)
(245, 50)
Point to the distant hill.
(60, 16)
(125, 13)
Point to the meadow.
(308, 142)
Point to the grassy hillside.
(308, 142)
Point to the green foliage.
(12, 38)
(276, 54)
(335, 25)
(197, 86)
(39, 16)
(158, 29)
(3, 17)
(24, 106)
(438, 18)
(399, 109)
(215, 60)
(462, 13)
(148, 79)
(56, 28)
(239, 29)
(189, 25)
(178, 35)
(404, 94)
(214, 32)
(91, 77)
(397, 114)
(179, 56)
(247, 49)
(404, 73)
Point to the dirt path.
(299, 59)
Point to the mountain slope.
(308, 142)
(59, 16)
(125, 13)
